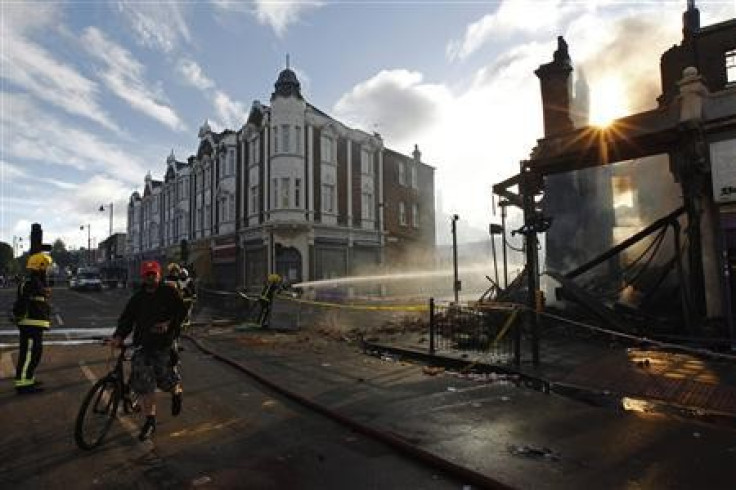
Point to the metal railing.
(477, 329)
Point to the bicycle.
(100, 406)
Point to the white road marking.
(91, 298)
(7, 370)
(128, 424)
(59, 321)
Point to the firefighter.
(273, 284)
(32, 314)
(172, 275)
(188, 293)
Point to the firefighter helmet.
(173, 269)
(274, 278)
(39, 262)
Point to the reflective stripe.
(31, 322)
(24, 382)
(24, 371)
(38, 298)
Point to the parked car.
(88, 279)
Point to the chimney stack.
(556, 84)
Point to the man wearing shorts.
(154, 314)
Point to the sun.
(607, 101)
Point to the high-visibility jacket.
(33, 292)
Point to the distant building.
(293, 191)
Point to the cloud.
(124, 76)
(194, 75)
(513, 17)
(395, 102)
(32, 68)
(13, 173)
(32, 134)
(70, 212)
(159, 25)
(279, 15)
(231, 114)
(474, 137)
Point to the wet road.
(231, 434)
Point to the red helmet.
(150, 266)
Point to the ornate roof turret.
(287, 84)
(204, 129)
(171, 159)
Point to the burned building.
(669, 170)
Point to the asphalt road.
(232, 432)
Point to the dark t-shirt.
(144, 310)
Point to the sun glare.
(607, 101)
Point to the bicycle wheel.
(97, 413)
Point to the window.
(253, 151)
(223, 208)
(231, 161)
(731, 66)
(327, 149)
(207, 216)
(298, 137)
(415, 216)
(367, 205)
(274, 193)
(414, 184)
(297, 193)
(402, 214)
(402, 173)
(254, 208)
(285, 133)
(284, 192)
(275, 139)
(231, 206)
(328, 198)
(366, 162)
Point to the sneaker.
(176, 399)
(148, 429)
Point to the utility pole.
(456, 283)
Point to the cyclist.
(154, 315)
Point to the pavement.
(493, 425)
(694, 382)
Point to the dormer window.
(730, 66)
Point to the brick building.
(293, 191)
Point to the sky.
(95, 94)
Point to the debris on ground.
(533, 452)
(433, 370)
(202, 480)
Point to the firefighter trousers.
(29, 354)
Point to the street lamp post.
(102, 209)
(456, 283)
(109, 237)
(89, 243)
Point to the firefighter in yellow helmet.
(273, 284)
(32, 315)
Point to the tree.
(6, 257)
(61, 255)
